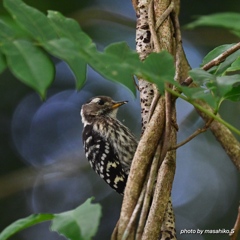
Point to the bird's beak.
(118, 104)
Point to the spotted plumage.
(109, 145)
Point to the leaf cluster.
(220, 83)
(27, 54)
(227, 20)
(28, 42)
(78, 224)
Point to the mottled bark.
(149, 185)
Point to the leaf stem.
(210, 114)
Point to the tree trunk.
(147, 209)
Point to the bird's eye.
(100, 102)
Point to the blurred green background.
(42, 164)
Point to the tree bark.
(147, 209)
(149, 186)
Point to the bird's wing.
(104, 160)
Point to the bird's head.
(100, 106)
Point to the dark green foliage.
(228, 20)
(26, 51)
(220, 82)
(63, 38)
(78, 224)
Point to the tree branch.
(149, 193)
(161, 197)
(223, 135)
(233, 235)
(219, 128)
(221, 132)
(197, 132)
(215, 62)
(163, 17)
(129, 230)
(141, 162)
(157, 114)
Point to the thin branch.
(140, 164)
(134, 216)
(155, 40)
(153, 29)
(219, 128)
(204, 110)
(136, 85)
(161, 197)
(154, 102)
(151, 22)
(144, 47)
(146, 12)
(168, 123)
(148, 194)
(166, 13)
(197, 132)
(178, 55)
(215, 62)
(234, 233)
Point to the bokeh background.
(42, 164)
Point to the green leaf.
(158, 68)
(63, 38)
(226, 20)
(29, 64)
(66, 50)
(24, 223)
(6, 32)
(234, 94)
(213, 89)
(18, 32)
(200, 76)
(70, 46)
(116, 63)
(235, 66)
(31, 20)
(120, 63)
(226, 85)
(79, 224)
(207, 90)
(202, 94)
(222, 67)
(68, 28)
(215, 53)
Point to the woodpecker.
(109, 145)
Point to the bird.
(109, 145)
